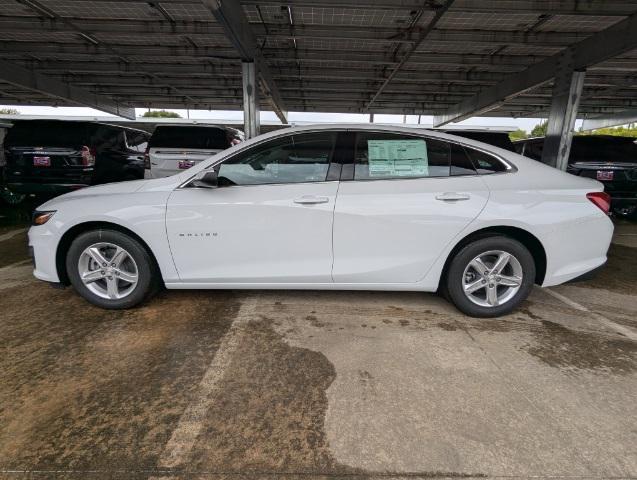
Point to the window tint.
(292, 159)
(386, 155)
(190, 137)
(533, 149)
(460, 161)
(106, 138)
(46, 134)
(485, 163)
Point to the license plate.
(605, 175)
(41, 161)
(184, 164)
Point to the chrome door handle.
(453, 197)
(310, 200)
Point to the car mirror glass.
(206, 179)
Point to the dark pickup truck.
(611, 160)
(58, 156)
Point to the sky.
(523, 123)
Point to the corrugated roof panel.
(487, 21)
(577, 23)
(351, 16)
(190, 11)
(103, 9)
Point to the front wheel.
(111, 269)
(490, 277)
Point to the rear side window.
(46, 134)
(387, 156)
(203, 138)
(485, 163)
(105, 138)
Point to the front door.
(406, 199)
(269, 221)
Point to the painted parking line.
(11, 234)
(182, 440)
(625, 331)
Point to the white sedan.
(336, 207)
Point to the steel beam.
(613, 41)
(32, 80)
(619, 118)
(251, 122)
(231, 17)
(567, 93)
(407, 55)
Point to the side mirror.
(206, 179)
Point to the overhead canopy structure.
(448, 58)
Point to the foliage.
(519, 134)
(540, 129)
(161, 114)
(9, 111)
(615, 132)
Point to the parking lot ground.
(257, 384)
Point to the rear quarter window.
(485, 163)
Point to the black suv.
(492, 137)
(57, 156)
(611, 160)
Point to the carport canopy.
(452, 59)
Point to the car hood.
(118, 188)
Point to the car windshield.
(189, 137)
(46, 134)
(603, 149)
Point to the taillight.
(88, 156)
(601, 200)
(146, 160)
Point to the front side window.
(293, 159)
(389, 156)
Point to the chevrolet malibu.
(332, 207)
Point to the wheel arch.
(530, 241)
(72, 233)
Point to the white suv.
(175, 148)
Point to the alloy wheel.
(108, 270)
(492, 278)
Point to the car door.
(399, 204)
(269, 220)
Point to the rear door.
(407, 197)
(175, 149)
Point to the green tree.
(540, 129)
(519, 134)
(9, 111)
(616, 132)
(161, 114)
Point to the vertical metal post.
(251, 123)
(567, 92)
(371, 118)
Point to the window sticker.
(398, 158)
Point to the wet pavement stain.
(14, 249)
(86, 388)
(269, 415)
(573, 351)
(619, 274)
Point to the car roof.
(81, 122)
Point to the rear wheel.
(111, 269)
(490, 277)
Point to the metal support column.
(251, 122)
(567, 92)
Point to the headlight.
(40, 218)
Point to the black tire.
(148, 277)
(454, 277)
